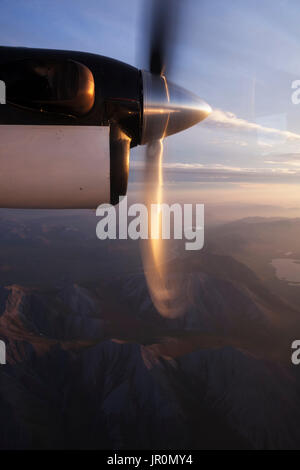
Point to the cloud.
(197, 172)
(294, 163)
(228, 120)
(288, 159)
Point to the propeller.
(163, 29)
(167, 109)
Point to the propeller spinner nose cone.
(168, 108)
(185, 109)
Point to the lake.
(287, 269)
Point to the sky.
(241, 56)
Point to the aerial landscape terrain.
(92, 364)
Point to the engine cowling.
(69, 121)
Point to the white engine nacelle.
(54, 166)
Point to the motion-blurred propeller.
(167, 109)
(163, 33)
